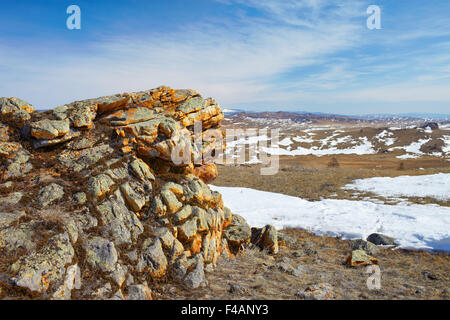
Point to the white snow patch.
(285, 142)
(303, 139)
(414, 226)
(365, 147)
(346, 139)
(413, 149)
(446, 148)
(384, 138)
(408, 156)
(384, 134)
(435, 186)
(415, 146)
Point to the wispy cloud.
(224, 61)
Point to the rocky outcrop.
(104, 196)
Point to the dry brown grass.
(53, 215)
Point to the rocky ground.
(315, 267)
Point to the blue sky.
(312, 55)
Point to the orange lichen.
(112, 106)
(207, 172)
(9, 149)
(126, 150)
(196, 244)
(120, 132)
(227, 222)
(125, 142)
(44, 280)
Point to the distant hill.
(324, 115)
(426, 116)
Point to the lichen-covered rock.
(196, 278)
(266, 238)
(40, 269)
(15, 111)
(9, 149)
(82, 117)
(101, 254)
(80, 198)
(11, 199)
(15, 237)
(134, 198)
(153, 259)
(119, 275)
(99, 185)
(4, 132)
(17, 161)
(49, 194)
(207, 172)
(360, 258)
(182, 214)
(170, 201)
(141, 170)
(49, 129)
(367, 246)
(118, 232)
(115, 210)
(139, 292)
(238, 234)
(71, 134)
(71, 281)
(285, 265)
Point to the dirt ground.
(253, 274)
